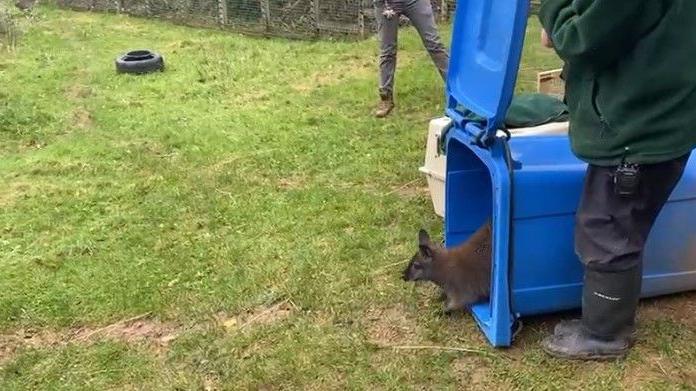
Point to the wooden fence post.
(315, 15)
(222, 12)
(266, 14)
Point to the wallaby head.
(421, 266)
(25, 5)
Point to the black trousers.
(611, 230)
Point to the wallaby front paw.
(451, 307)
(442, 296)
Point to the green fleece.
(631, 76)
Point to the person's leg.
(420, 12)
(387, 32)
(611, 232)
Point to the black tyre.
(139, 62)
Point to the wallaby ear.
(424, 244)
(423, 238)
(427, 252)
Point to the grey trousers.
(420, 13)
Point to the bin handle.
(486, 138)
(483, 138)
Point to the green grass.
(247, 174)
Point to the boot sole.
(632, 336)
(587, 357)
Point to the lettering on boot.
(606, 297)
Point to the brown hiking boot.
(386, 105)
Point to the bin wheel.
(139, 62)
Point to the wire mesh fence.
(11, 25)
(287, 18)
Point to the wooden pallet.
(550, 83)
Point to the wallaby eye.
(418, 266)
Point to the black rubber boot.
(609, 304)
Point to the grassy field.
(234, 223)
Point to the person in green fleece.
(631, 94)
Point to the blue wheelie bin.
(531, 185)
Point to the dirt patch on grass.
(390, 326)
(680, 308)
(411, 190)
(351, 67)
(324, 78)
(12, 192)
(153, 333)
(249, 97)
(473, 373)
(267, 315)
(354, 68)
(82, 118)
(142, 330)
(15, 190)
(651, 368)
(292, 183)
(78, 91)
(25, 339)
(263, 315)
(665, 350)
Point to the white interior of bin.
(550, 129)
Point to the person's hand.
(545, 40)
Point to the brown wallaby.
(25, 5)
(463, 272)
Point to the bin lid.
(487, 40)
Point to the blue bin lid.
(486, 47)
